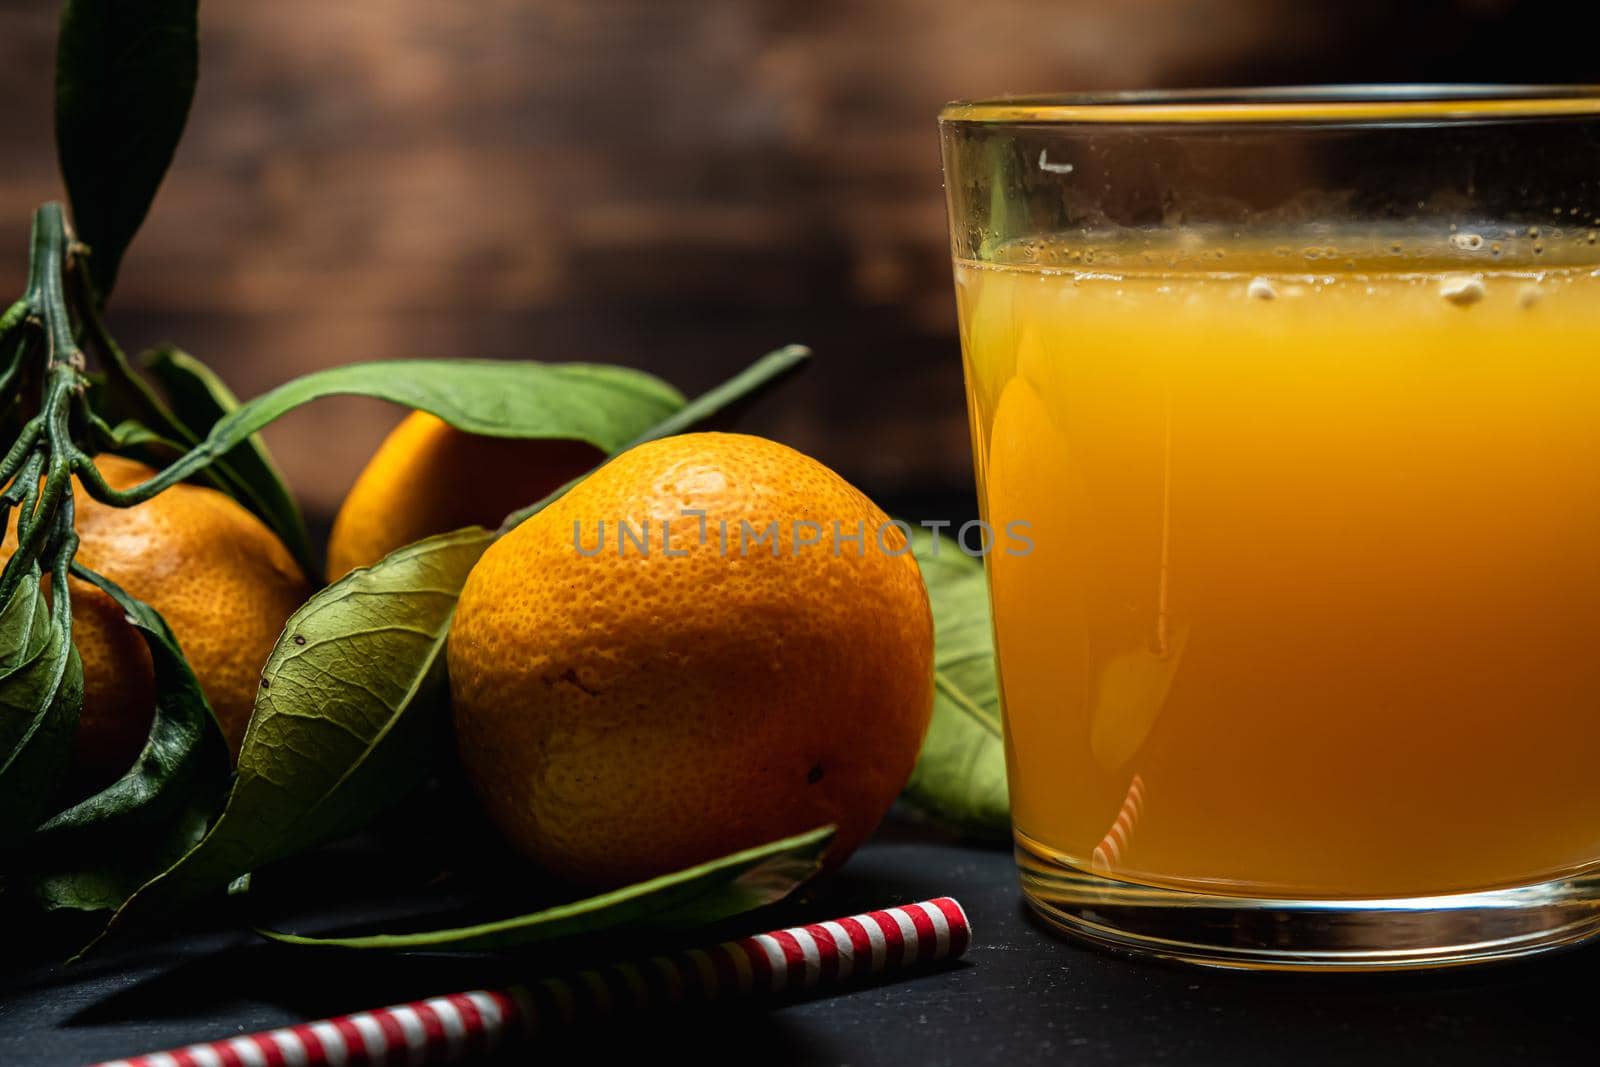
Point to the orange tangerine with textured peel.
(429, 477)
(222, 580)
(627, 711)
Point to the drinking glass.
(1294, 397)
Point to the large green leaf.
(95, 854)
(24, 629)
(687, 899)
(25, 633)
(199, 398)
(960, 777)
(125, 75)
(41, 693)
(342, 722)
(593, 402)
(602, 405)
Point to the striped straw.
(1107, 855)
(444, 1029)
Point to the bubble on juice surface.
(1467, 242)
(1462, 289)
(1261, 289)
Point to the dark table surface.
(1020, 996)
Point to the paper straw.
(443, 1029)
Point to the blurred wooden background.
(673, 185)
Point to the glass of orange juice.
(1298, 395)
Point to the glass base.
(1311, 935)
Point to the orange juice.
(1313, 603)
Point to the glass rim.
(1287, 105)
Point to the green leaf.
(601, 405)
(342, 723)
(41, 693)
(133, 436)
(125, 75)
(24, 628)
(592, 402)
(199, 398)
(25, 633)
(95, 854)
(699, 896)
(960, 777)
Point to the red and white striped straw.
(444, 1029)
